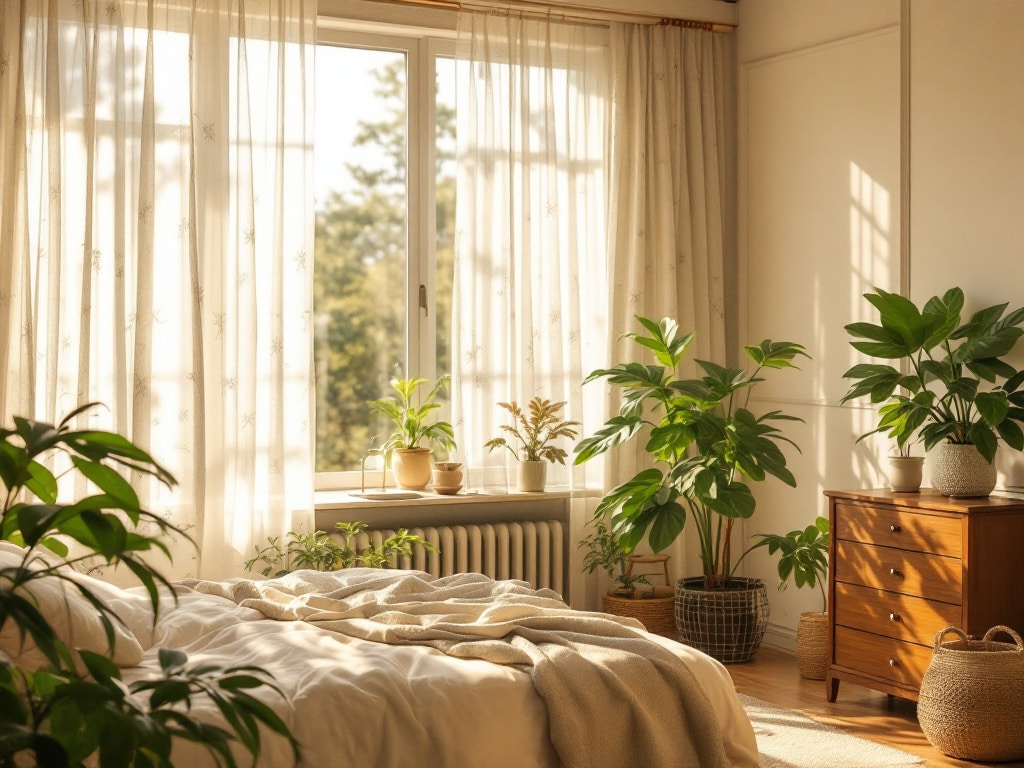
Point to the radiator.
(530, 551)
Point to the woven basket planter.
(812, 645)
(971, 703)
(657, 613)
(727, 623)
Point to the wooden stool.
(649, 560)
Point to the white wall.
(919, 95)
(967, 158)
(819, 181)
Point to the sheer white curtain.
(670, 203)
(530, 303)
(156, 245)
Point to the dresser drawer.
(884, 658)
(910, 573)
(892, 614)
(890, 527)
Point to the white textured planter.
(532, 476)
(960, 471)
(905, 473)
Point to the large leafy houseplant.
(531, 435)
(938, 393)
(73, 707)
(704, 441)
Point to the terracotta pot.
(411, 468)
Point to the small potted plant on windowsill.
(905, 470)
(803, 560)
(530, 439)
(410, 460)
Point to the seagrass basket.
(657, 613)
(971, 703)
(812, 645)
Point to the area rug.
(788, 740)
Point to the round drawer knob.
(896, 572)
(895, 528)
(895, 617)
(893, 663)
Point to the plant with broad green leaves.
(940, 396)
(803, 555)
(413, 421)
(57, 715)
(703, 439)
(532, 432)
(319, 551)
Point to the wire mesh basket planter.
(727, 623)
(971, 702)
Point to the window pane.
(445, 207)
(361, 148)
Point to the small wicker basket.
(971, 703)
(812, 645)
(657, 613)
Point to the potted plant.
(603, 549)
(530, 439)
(706, 446)
(938, 394)
(410, 459)
(319, 551)
(905, 470)
(803, 560)
(65, 705)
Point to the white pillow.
(73, 618)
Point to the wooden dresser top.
(930, 499)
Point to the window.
(385, 220)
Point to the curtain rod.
(568, 12)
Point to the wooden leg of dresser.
(831, 688)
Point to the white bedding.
(359, 702)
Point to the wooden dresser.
(904, 566)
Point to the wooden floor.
(772, 676)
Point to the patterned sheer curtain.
(155, 246)
(672, 251)
(530, 270)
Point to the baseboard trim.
(778, 636)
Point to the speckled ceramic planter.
(960, 471)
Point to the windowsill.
(325, 500)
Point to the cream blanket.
(614, 698)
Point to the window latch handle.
(423, 299)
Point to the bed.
(392, 668)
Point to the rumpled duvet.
(612, 694)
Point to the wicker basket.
(971, 704)
(812, 645)
(656, 613)
(726, 623)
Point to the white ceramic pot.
(960, 471)
(905, 473)
(532, 476)
(411, 468)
